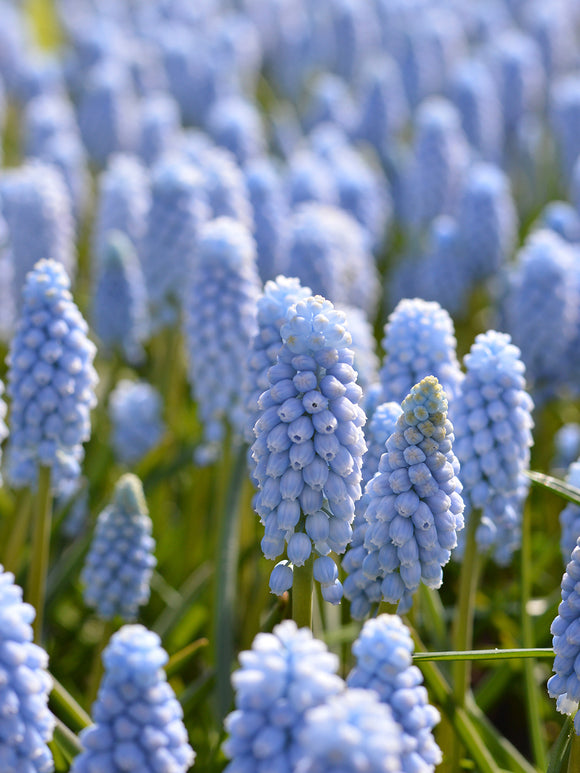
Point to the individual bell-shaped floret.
(37, 208)
(328, 252)
(285, 673)
(272, 307)
(138, 721)
(419, 341)
(487, 221)
(120, 313)
(351, 731)
(220, 321)
(123, 202)
(565, 684)
(120, 561)
(309, 440)
(51, 380)
(493, 422)
(108, 111)
(179, 208)
(135, 409)
(415, 507)
(384, 663)
(26, 724)
(271, 215)
(543, 324)
(570, 516)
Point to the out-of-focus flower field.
(290, 368)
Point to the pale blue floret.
(37, 209)
(419, 341)
(51, 380)
(285, 673)
(352, 731)
(414, 508)
(26, 724)
(309, 441)
(120, 561)
(328, 251)
(138, 721)
(570, 516)
(123, 202)
(179, 209)
(120, 313)
(135, 409)
(220, 322)
(564, 684)
(384, 663)
(493, 423)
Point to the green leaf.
(560, 487)
(496, 654)
(561, 749)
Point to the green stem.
(66, 740)
(226, 579)
(302, 586)
(39, 559)
(12, 559)
(574, 759)
(65, 705)
(531, 688)
(96, 673)
(463, 628)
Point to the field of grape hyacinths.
(289, 386)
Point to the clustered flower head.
(309, 444)
(26, 724)
(493, 430)
(220, 323)
(415, 507)
(419, 341)
(135, 409)
(120, 561)
(51, 380)
(383, 654)
(138, 721)
(565, 684)
(285, 673)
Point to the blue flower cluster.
(138, 719)
(135, 409)
(309, 441)
(328, 251)
(225, 186)
(419, 341)
(179, 208)
(570, 516)
(285, 673)
(415, 507)
(37, 210)
(543, 325)
(493, 429)
(120, 312)
(383, 652)
(236, 124)
(351, 731)
(366, 362)
(120, 561)
(378, 430)
(272, 307)
(51, 380)
(566, 446)
(160, 126)
(565, 684)
(26, 724)
(220, 322)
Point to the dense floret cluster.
(135, 409)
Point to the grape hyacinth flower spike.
(285, 673)
(26, 724)
(309, 444)
(415, 507)
(120, 561)
(564, 684)
(135, 409)
(384, 663)
(138, 720)
(51, 380)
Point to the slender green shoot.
(302, 587)
(40, 550)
